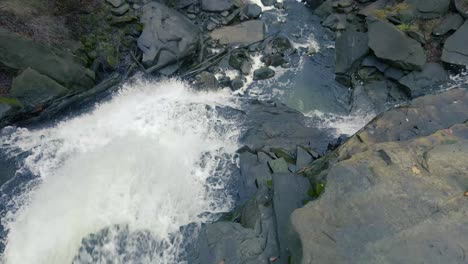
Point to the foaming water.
(149, 161)
(341, 124)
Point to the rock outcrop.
(395, 190)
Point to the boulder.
(422, 82)
(244, 33)
(462, 7)
(34, 89)
(19, 53)
(168, 36)
(325, 9)
(216, 5)
(263, 73)
(390, 44)
(350, 46)
(252, 11)
(429, 9)
(395, 190)
(455, 48)
(335, 22)
(206, 80)
(449, 23)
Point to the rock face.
(167, 38)
(19, 53)
(456, 48)
(420, 83)
(428, 9)
(244, 33)
(216, 5)
(395, 190)
(34, 89)
(390, 44)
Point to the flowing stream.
(149, 161)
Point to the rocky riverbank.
(395, 192)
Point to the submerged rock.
(244, 33)
(455, 48)
(206, 80)
(394, 190)
(392, 45)
(168, 36)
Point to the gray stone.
(393, 197)
(115, 3)
(420, 82)
(19, 53)
(206, 80)
(263, 73)
(455, 48)
(278, 166)
(216, 5)
(370, 9)
(394, 73)
(392, 45)
(303, 158)
(168, 36)
(244, 33)
(289, 192)
(462, 7)
(268, 2)
(429, 9)
(325, 9)
(350, 47)
(253, 11)
(238, 57)
(246, 67)
(372, 61)
(210, 25)
(335, 22)
(237, 83)
(34, 89)
(121, 10)
(416, 35)
(450, 22)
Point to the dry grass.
(391, 10)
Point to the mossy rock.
(281, 153)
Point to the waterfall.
(150, 160)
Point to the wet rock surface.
(455, 48)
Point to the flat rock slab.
(34, 89)
(456, 47)
(392, 45)
(350, 46)
(244, 33)
(19, 53)
(421, 82)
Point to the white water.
(134, 161)
(341, 124)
